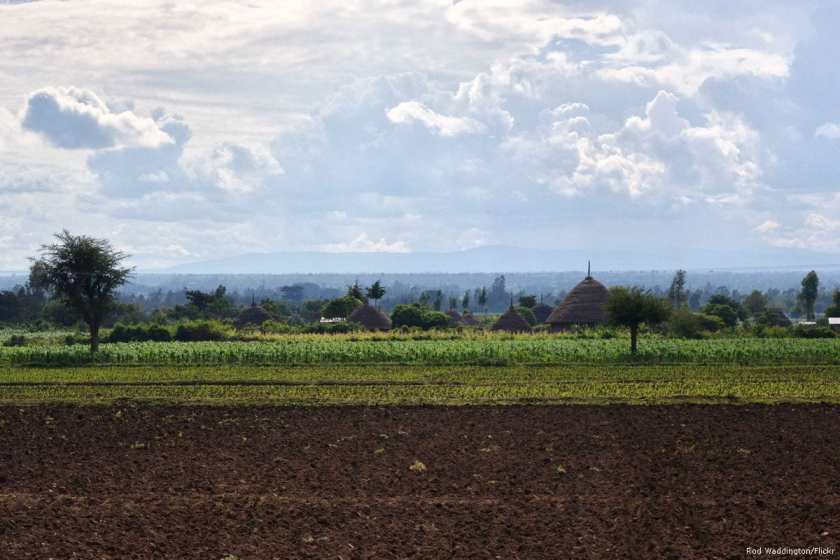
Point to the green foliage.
(755, 303)
(355, 291)
(84, 273)
(685, 324)
(528, 301)
(139, 333)
(773, 317)
(197, 331)
(812, 331)
(376, 291)
(676, 293)
(527, 314)
(418, 315)
(15, 340)
(632, 307)
(341, 307)
(442, 348)
(808, 295)
(726, 313)
(834, 309)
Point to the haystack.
(370, 318)
(511, 321)
(584, 306)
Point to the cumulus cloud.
(413, 111)
(236, 168)
(364, 244)
(483, 122)
(75, 118)
(830, 131)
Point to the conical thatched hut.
(511, 321)
(370, 318)
(455, 318)
(584, 306)
(253, 316)
(541, 312)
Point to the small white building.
(834, 322)
(331, 320)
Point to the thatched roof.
(541, 312)
(511, 321)
(585, 305)
(370, 318)
(252, 316)
(454, 317)
(470, 320)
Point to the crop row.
(296, 351)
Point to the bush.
(809, 331)
(341, 307)
(331, 328)
(726, 313)
(196, 331)
(15, 340)
(527, 314)
(418, 315)
(139, 333)
(685, 324)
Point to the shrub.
(15, 340)
(195, 331)
(139, 333)
(809, 331)
(418, 315)
(726, 313)
(341, 307)
(527, 314)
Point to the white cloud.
(829, 130)
(533, 120)
(411, 111)
(364, 244)
(73, 118)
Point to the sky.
(193, 131)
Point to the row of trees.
(83, 275)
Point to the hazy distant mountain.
(504, 259)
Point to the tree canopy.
(84, 273)
(632, 307)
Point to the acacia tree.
(632, 307)
(808, 295)
(84, 273)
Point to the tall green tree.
(632, 307)
(528, 301)
(808, 294)
(482, 299)
(376, 292)
(834, 309)
(84, 273)
(755, 303)
(676, 293)
(465, 302)
(355, 291)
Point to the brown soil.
(136, 481)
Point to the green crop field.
(466, 351)
(391, 385)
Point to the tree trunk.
(634, 336)
(94, 338)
